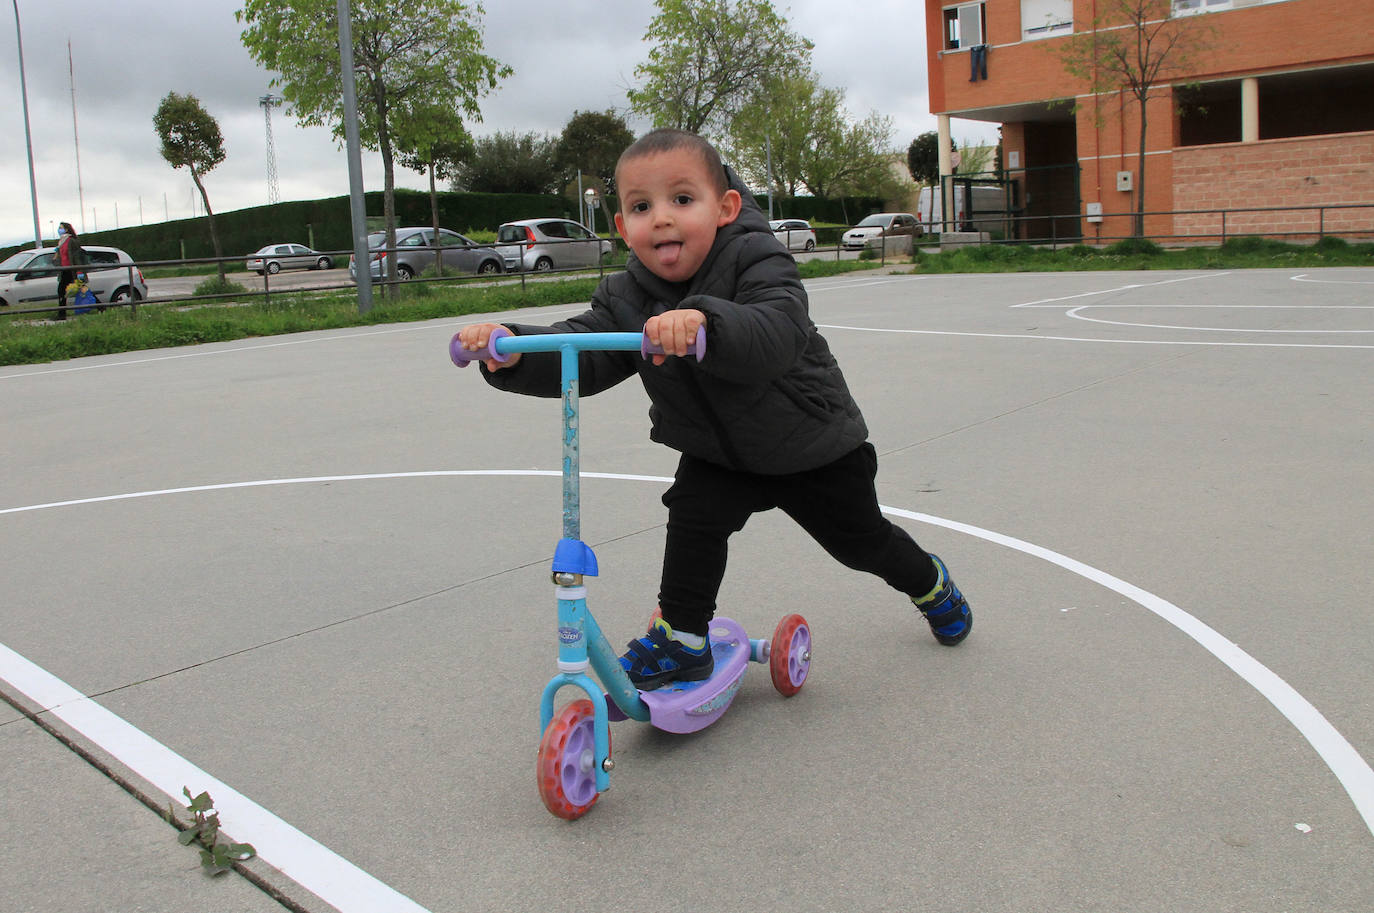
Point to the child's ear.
(619, 223)
(730, 205)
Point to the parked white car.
(29, 277)
(872, 229)
(795, 234)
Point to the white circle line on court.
(1303, 277)
(1074, 313)
(1122, 342)
(323, 872)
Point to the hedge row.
(325, 224)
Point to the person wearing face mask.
(69, 257)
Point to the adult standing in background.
(69, 257)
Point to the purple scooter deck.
(689, 706)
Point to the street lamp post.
(28, 138)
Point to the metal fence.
(1201, 227)
(1190, 227)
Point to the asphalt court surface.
(309, 574)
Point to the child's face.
(670, 210)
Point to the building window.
(1193, 7)
(1045, 18)
(964, 26)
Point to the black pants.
(836, 504)
(65, 278)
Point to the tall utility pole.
(356, 204)
(28, 137)
(269, 102)
(76, 139)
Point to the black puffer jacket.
(767, 398)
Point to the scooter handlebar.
(697, 348)
(462, 356)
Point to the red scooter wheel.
(789, 656)
(567, 761)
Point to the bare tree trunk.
(434, 214)
(210, 216)
(388, 189)
(1140, 178)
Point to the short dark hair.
(667, 139)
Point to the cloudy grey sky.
(127, 55)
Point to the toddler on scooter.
(764, 420)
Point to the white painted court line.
(202, 351)
(1120, 342)
(302, 859)
(1052, 302)
(1303, 277)
(1074, 313)
(320, 870)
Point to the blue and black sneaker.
(946, 608)
(658, 659)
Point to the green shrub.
(213, 286)
(1135, 247)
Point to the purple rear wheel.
(567, 762)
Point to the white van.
(989, 210)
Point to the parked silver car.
(29, 277)
(276, 257)
(415, 253)
(870, 230)
(795, 234)
(545, 244)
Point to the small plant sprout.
(215, 857)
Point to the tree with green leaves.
(1136, 47)
(191, 139)
(591, 143)
(439, 151)
(710, 58)
(510, 162)
(814, 143)
(923, 158)
(412, 59)
(780, 124)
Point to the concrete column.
(946, 167)
(1249, 110)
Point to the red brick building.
(1278, 112)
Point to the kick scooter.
(574, 762)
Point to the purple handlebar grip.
(698, 347)
(463, 357)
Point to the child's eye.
(682, 199)
(641, 206)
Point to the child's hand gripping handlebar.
(503, 344)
